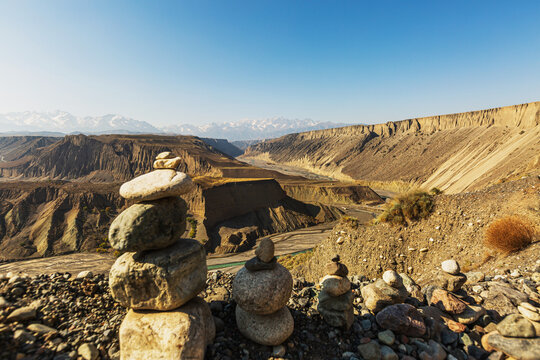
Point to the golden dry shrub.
(509, 234)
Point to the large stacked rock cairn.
(384, 292)
(261, 290)
(160, 275)
(336, 298)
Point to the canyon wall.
(454, 152)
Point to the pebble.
(84, 275)
(22, 314)
(392, 278)
(88, 351)
(515, 325)
(265, 250)
(335, 285)
(388, 354)
(530, 312)
(370, 351)
(278, 351)
(451, 267)
(387, 337)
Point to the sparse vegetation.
(349, 221)
(397, 186)
(193, 231)
(435, 191)
(103, 246)
(509, 234)
(407, 207)
(295, 260)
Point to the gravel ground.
(84, 321)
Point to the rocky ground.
(61, 316)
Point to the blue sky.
(213, 61)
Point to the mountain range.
(61, 122)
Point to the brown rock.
(159, 279)
(403, 319)
(265, 250)
(447, 302)
(335, 285)
(182, 333)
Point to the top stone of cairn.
(163, 182)
(166, 160)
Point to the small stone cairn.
(336, 298)
(384, 292)
(451, 278)
(160, 274)
(261, 290)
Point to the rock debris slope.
(63, 317)
(454, 152)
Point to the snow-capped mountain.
(65, 122)
(250, 129)
(31, 122)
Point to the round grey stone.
(159, 279)
(149, 225)
(272, 329)
(450, 266)
(392, 278)
(335, 285)
(265, 250)
(262, 292)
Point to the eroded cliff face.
(45, 219)
(49, 218)
(454, 152)
(232, 215)
(110, 158)
(331, 192)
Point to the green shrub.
(193, 231)
(435, 191)
(407, 207)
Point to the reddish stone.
(448, 302)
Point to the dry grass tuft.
(293, 261)
(407, 207)
(509, 234)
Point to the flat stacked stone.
(336, 298)
(261, 290)
(160, 274)
(451, 278)
(384, 292)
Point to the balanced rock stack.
(451, 278)
(261, 290)
(384, 292)
(160, 275)
(336, 298)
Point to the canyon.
(456, 152)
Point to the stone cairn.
(336, 298)
(386, 291)
(261, 290)
(160, 274)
